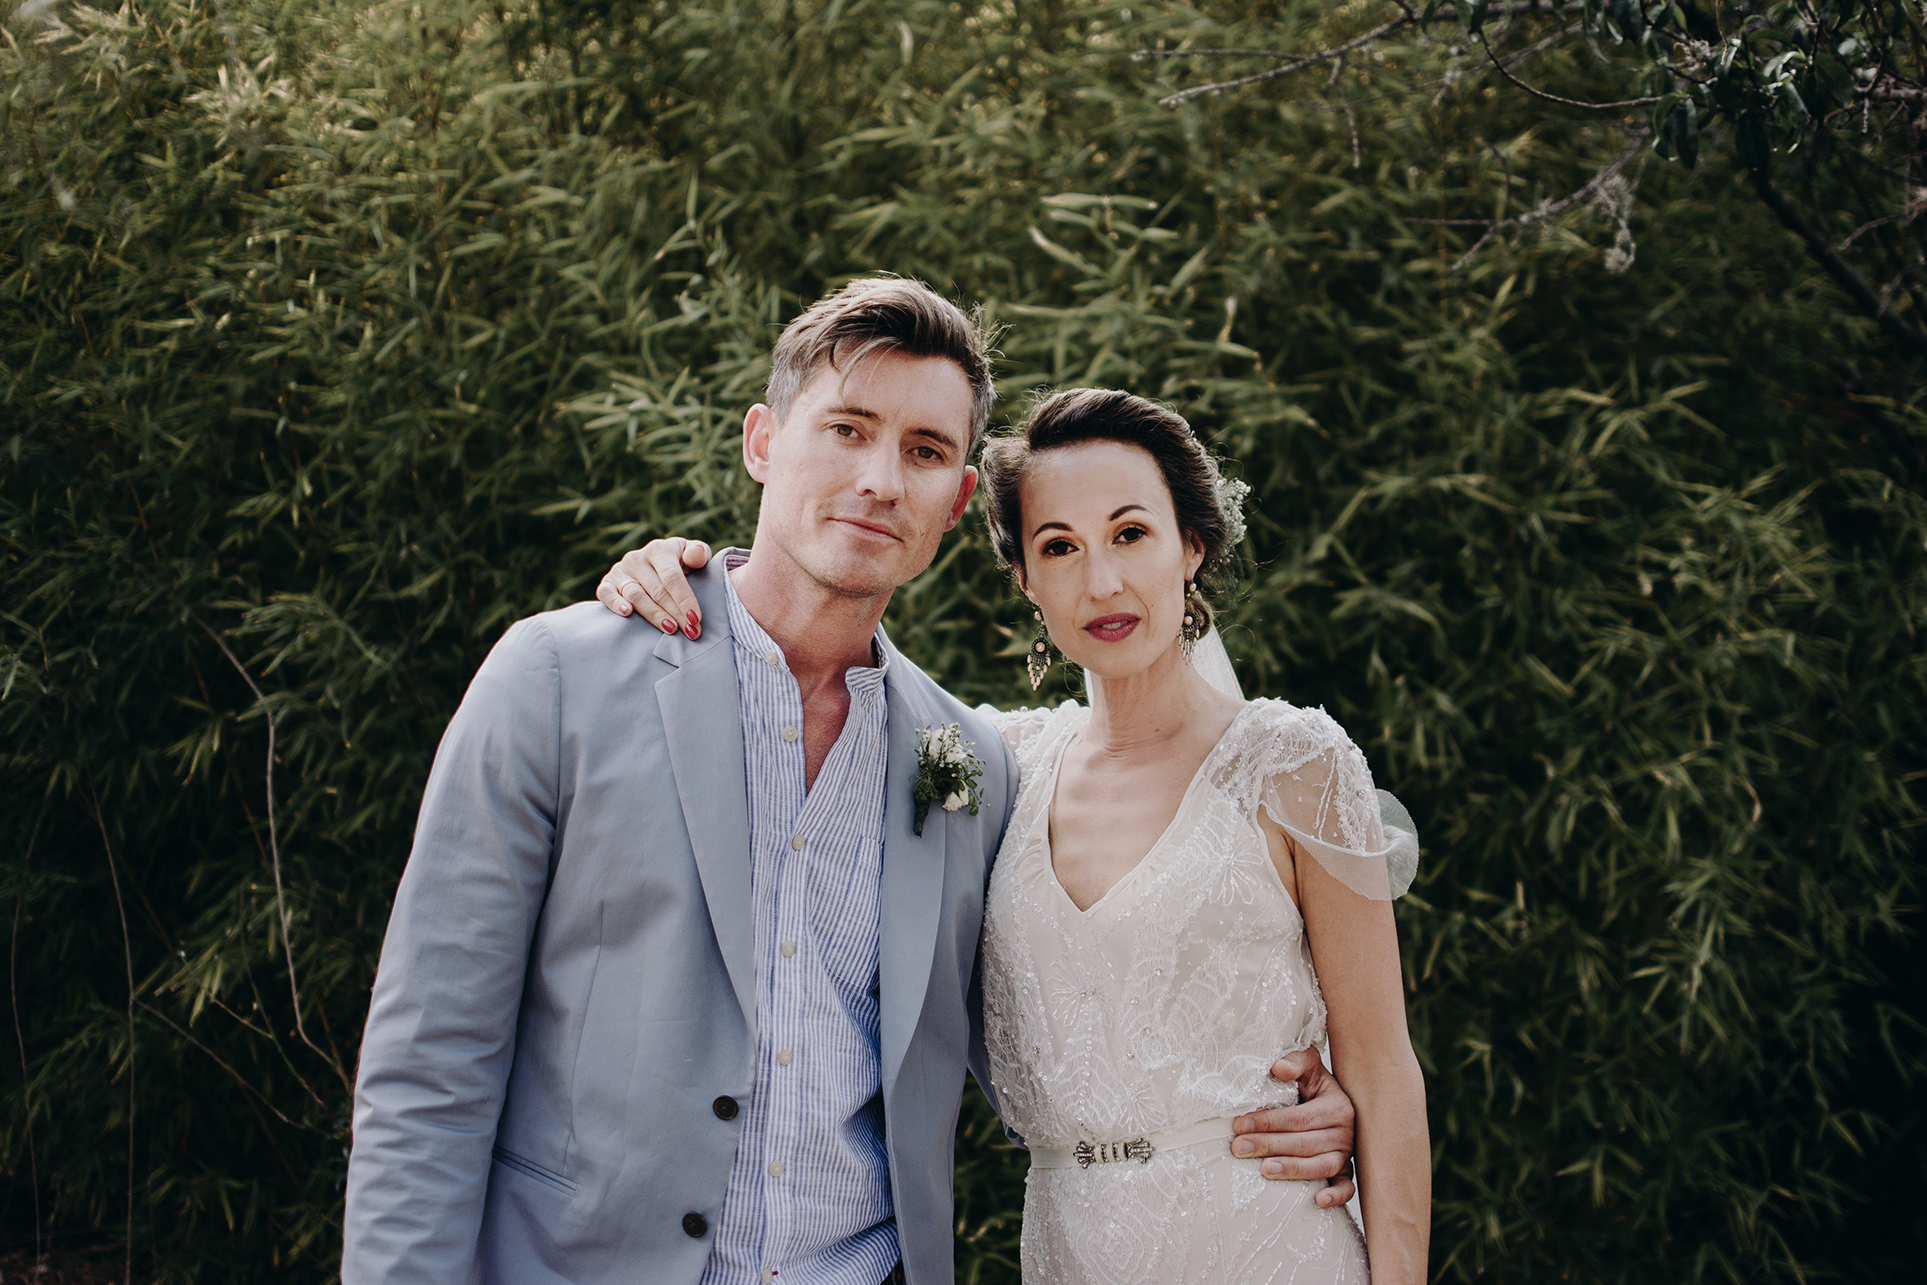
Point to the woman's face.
(1104, 559)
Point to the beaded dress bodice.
(1164, 1004)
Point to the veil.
(1213, 664)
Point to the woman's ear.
(1023, 580)
(1197, 557)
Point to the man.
(673, 991)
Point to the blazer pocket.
(529, 1169)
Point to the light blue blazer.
(568, 985)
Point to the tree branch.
(1499, 65)
(1892, 89)
(127, 946)
(20, 1035)
(274, 849)
(238, 1077)
(1296, 64)
(1838, 268)
(1337, 52)
(1142, 55)
(1544, 212)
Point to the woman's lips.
(1111, 628)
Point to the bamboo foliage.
(334, 337)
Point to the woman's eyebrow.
(1063, 526)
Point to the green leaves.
(1616, 575)
(1676, 131)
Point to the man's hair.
(879, 315)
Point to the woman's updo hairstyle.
(1109, 415)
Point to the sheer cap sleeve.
(1024, 729)
(1316, 785)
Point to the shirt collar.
(749, 637)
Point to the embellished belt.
(1085, 1154)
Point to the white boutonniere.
(946, 771)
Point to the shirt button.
(789, 949)
(695, 1224)
(773, 656)
(789, 733)
(775, 1171)
(796, 842)
(769, 1276)
(724, 1107)
(783, 1058)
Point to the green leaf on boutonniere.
(947, 772)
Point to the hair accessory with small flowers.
(946, 771)
(1231, 503)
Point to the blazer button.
(725, 1109)
(696, 1225)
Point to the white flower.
(1231, 503)
(947, 772)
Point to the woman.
(1188, 878)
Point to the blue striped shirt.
(809, 1197)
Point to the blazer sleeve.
(441, 1023)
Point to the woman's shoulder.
(1307, 773)
(1274, 743)
(1278, 736)
(1029, 730)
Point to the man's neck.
(822, 633)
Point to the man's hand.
(1312, 1140)
(650, 580)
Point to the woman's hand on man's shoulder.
(653, 582)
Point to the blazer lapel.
(702, 723)
(913, 879)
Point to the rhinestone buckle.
(1110, 1153)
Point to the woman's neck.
(1146, 709)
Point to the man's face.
(866, 473)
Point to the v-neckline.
(1085, 913)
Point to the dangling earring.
(1189, 632)
(1038, 662)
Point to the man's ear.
(758, 427)
(965, 489)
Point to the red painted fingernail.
(668, 625)
(695, 626)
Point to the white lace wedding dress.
(1160, 1009)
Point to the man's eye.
(843, 430)
(929, 454)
